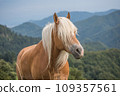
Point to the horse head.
(65, 36)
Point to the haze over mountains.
(75, 16)
(100, 27)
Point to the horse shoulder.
(23, 61)
(40, 61)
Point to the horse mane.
(66, 29)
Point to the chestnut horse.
(47, 60)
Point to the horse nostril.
(78, 50)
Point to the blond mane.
(66, 29)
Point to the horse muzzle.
(77, 51)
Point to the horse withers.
(47, 60)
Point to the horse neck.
(58, 57)
(54, 55)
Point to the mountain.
(75, 16)
(101, 28)
(33, 29)
(106, 12)
(28, 29)
(10, 45)
(110, 37)
(94, 46)
(11, 42)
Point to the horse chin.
(77, 56)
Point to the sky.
(15, 12)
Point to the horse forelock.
(65, 30)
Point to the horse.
(47, 60)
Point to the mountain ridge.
(75, 16)
(28, 29)
(92, 28)
(109, 21)
(12, 42)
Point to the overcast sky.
(14, 12)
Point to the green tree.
(6, 71)
(75, 74)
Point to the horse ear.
(68, 16)
(56, 18)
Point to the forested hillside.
(11, 42)
(28, 29)
(101, 28)
(110, 37)
(10, 45)
(94, 46)
(99, 65)
(7, 70)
